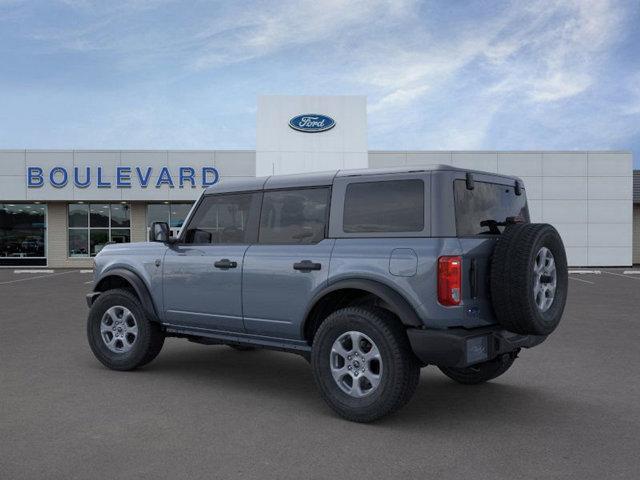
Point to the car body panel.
(265, 300)
(197, 294)
(268, 273)
(142, 259)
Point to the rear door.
(202, 276)
(289, 262)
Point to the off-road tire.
(480, 373)
(401, 370)
(513, 278)
(147, 345)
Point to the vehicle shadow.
(438, 403)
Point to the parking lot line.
(581, 280)
(623, 276)
(33, 271)
(631, 272)
(34, 278)
(581, 272)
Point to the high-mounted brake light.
(449, 280)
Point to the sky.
(454, 75)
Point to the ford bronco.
(369, 274)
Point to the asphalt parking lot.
(569, 408)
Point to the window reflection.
(92, 226)
(22, 230)
(99, 215)
(120, 215)
(78, 215)
(173, 213)
(98, 238)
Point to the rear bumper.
(459, 347)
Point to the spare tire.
(529, 278)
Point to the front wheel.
(363, 363)
(482, 372)
(120, 334)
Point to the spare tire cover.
(529, 278)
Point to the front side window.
(92, 226)
(174, 214)
(22, 230)
(386, 206)
(478, 210)
(224, 219)
(294, 216)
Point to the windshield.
(478, 210)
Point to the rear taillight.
(449, 280)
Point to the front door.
(202, 274)
(288, 264)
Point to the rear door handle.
(225, 263)
(306, 266)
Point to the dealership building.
(58, 208)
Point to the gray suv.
(369, 274)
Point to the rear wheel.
(120, 334)
(363, 363)
(482, 372)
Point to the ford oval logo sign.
(312, 123)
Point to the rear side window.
(294, 216)
(486, 202)
(220, 219)
(388, 206)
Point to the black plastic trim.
(448, 348)
(91, 297)
(397, 303)
(138, 285)
(469, 181)
(229, 338)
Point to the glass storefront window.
(157, 212)
(172, 213)
(120, 216)
(92, 226)
(98, 238)
(179, 212)
(99, 215)
(78, 215)
(22, 231)
(120, 235)
(78, 242)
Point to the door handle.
(307, 266)
(225, 263)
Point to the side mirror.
(160, 232)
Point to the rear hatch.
(482, 210)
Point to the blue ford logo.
(312, 122)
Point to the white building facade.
(60, 207)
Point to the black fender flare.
(397, 303)
(138, 285)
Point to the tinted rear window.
(388, 206)
(294, 216)
(487, 201)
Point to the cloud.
(527, 56)
(275, 26)
(540, 73)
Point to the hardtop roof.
(314, 179)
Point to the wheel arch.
(123, 278)
(346, 292)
